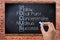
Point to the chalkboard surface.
(24, 18)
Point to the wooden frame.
(29, 2)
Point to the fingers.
(50, 25)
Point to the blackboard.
(24, 18)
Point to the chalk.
(41, 23)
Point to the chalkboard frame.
(32, 3)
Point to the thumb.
(42, 29)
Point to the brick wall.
(3, 36)
(58, 19)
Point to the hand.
(50, 34)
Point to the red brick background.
(4, 36)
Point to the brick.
(33, 37)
